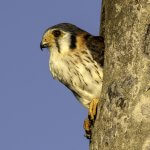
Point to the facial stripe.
(57, 44)
(73, 42)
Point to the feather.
(95, 45)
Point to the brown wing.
(96, 46)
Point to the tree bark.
(123, 115)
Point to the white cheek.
(64, 43)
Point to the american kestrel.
(76, 60)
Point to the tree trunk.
(123, 115)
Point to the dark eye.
(56, 33)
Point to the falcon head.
(61, 37)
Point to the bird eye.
(56, 33)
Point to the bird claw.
(93, 109)
(87, 128)
(89, 122)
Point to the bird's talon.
(88, 123)
(93, 109)
(87, 128)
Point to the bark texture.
(123, 116)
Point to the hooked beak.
(43, 46)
